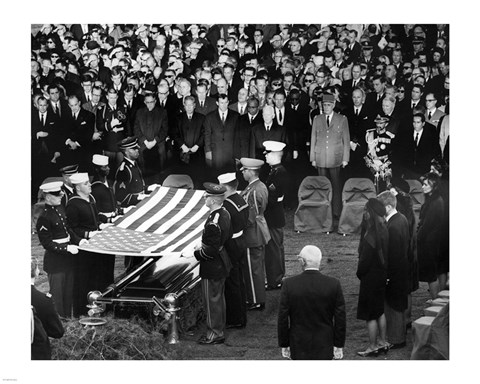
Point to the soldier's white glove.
(73, 249)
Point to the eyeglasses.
(55, 56)
(220, 46)
(277, 84)
(49, 42)
(401, 91)
(308, 81)
(169, 76)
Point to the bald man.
(311, 317)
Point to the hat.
(150, 88)
(128, 142)
(79, 178)
(92, 45)
(382, 119)
(140, 29)
(213, 189)
(328, 98)
(249, 163)
(399, 183)
(367, 45)
(100, 160)
(226, 177)
(273, 146)
(52, 186)
(69, 169)
(376, 206)
(418, 40)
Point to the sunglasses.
(277, 84)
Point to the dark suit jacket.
(243, 135)
(209, 105)
(151, 125)
(48, 145)
(190, 132)
(311, 317)
(260, 134)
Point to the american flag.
(167, 222)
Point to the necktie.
(280, 118)
(354, 83)
(201, 104)
(251, 119)
(268, 127)
(414, 105)
(328, 121)
(42, 119)
(416, 139)
(88, 97)
(429, 115)
(223, 117)
(241, 110)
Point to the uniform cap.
(213, 189)
(273, 146)
(328, 98)
(381, 119)
(79, 178)
(100, 160)
(249, 163)
(69, 169)
(51, 186)
(367, 45)
(92, 45)
(226, 177)
(128, 142)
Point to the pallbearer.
(214, 263)
(277, 183)
(235, 292)
(256, 233)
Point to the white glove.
(96, 136)
(151, 187)
(286, 352)
(73, 249)
(104, 225)
(194, 148)
(125, 210)
(337, 353)
(82, 242)
(353, 145)
(114, 122)
(184, 148)
(42, 134)
(314, 163)
(295, 154)
(208, 155)
(141, 196)
(344, 164)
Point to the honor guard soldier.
(60, 243)
(129, 185)
(235, 291)
(82, 217)
(256, 233)
(214, 262)
(277, 184)
(46, 322)
(67, 186)
(107, 209)
(379, 140)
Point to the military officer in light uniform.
(277, 183)
(256, 233)
(67, 186)
(60, 243)
(214, 263)
(129, 185)
(235, 291)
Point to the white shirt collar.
(253, 181)
(393, 212)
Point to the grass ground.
(258, 341)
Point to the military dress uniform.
(277, 183)
(82, 217)
(55, 235)
(381, 143)
(214, 268)
(129, 183)
(235, 291)
(44, 310)
(256, 237)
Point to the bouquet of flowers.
(381, 170)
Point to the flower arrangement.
(380, 168)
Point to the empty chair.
(314, 212)
(418, 198)
(355, 195)
(178, 181)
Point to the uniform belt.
(237, 234)
(107, 214)
(280, 198)
(62, 241)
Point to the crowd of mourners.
(119, 107)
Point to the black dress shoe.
(256, 307)
(204, 341)
(235, 326)
(397, 346)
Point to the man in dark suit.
(374, 99)
(311, 317)
(220, 126)
(81, 124)
(417, 147)
(262, 49)
(189, 137)
(49, 325)
(268, 130)
(396, 295)
(204, 104)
